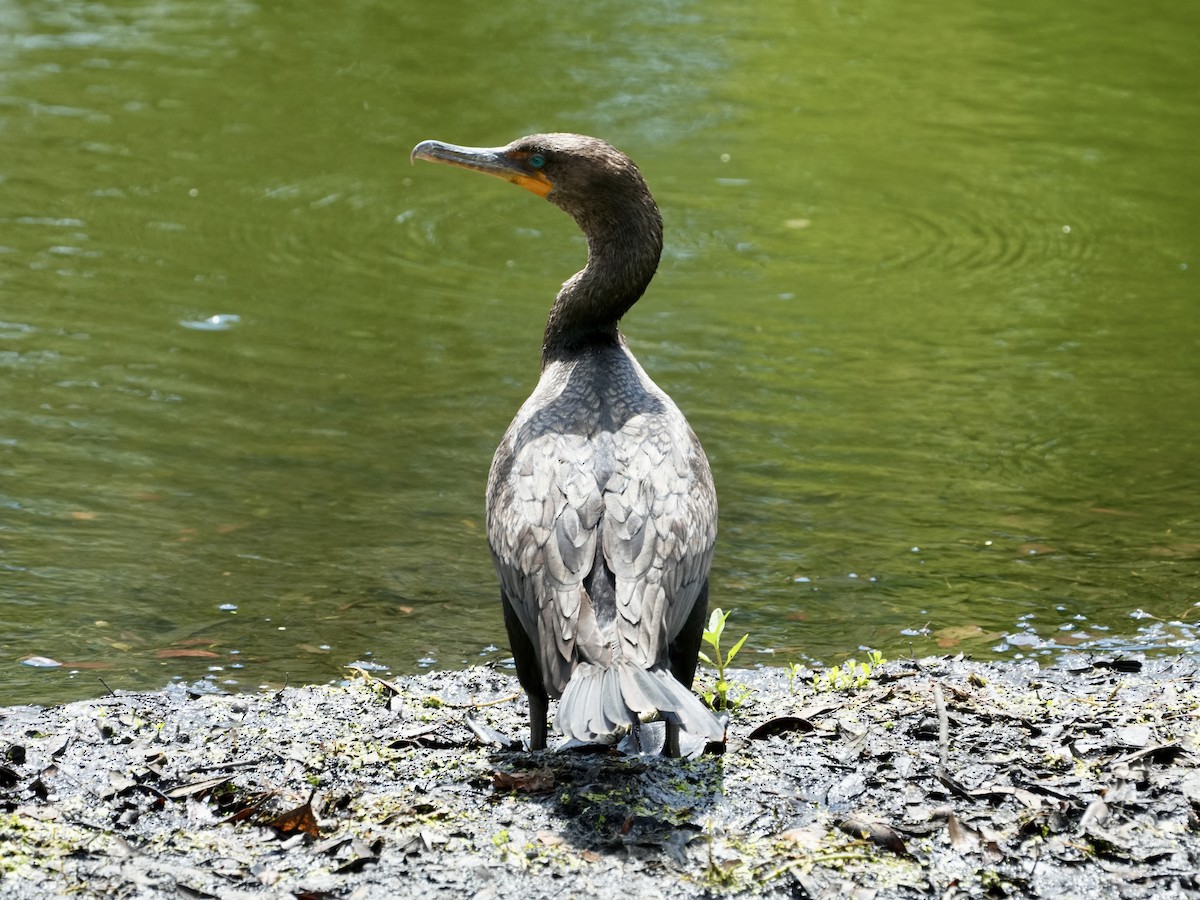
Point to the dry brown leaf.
(300, 819)
(874, 830)
(537, 781)
(962, 838)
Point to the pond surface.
(929, 298)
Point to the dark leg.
(684, 652)
(529, 673)
(538, 708)
(685, 649)
(671, 747)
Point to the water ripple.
(990, 236)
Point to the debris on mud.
(939, 777)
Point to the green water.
(929, 298)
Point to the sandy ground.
(930, 778)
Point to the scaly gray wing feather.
(660, 527)
(544, 511)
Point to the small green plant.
(850, 675)
(792, 671)
(718, 698)
(719, 873)
(502, 842)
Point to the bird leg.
(529, 673)
(538, 705)
(671, 746)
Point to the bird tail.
(600, 701)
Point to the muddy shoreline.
(935, 777)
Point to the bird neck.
(623, 254)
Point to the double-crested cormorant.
(601, 513)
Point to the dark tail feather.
(599, 702)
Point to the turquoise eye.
(537, 160)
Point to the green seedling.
(792, 671)
(719, 698)
(850, 675)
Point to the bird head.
(580, 174)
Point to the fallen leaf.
(431, 838)
(251, 806)
(846, 789)
(118, 783)
(1134, 735)
(809, 837)
(196, 788)
(359, 854)
(490, 736)
(780, 725)
(874, 830)
(1159, 753)
(295, 821)
(1000, 791)
(538, 781)
(962, 838)
(41, 813)
(1096, 812)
